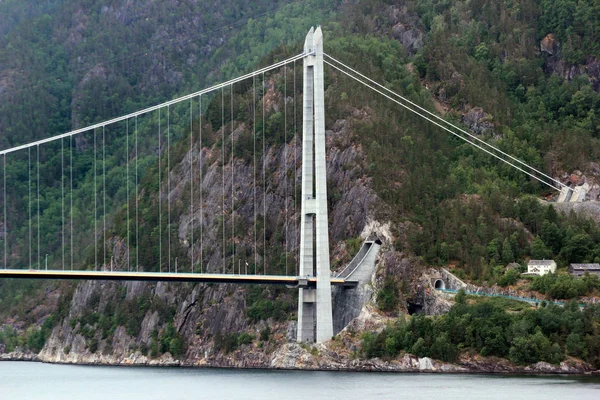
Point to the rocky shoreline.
(294, 356)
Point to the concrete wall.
(348, 302)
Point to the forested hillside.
(523, 75)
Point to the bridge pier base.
(315, 316)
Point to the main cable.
(442, 120)
(439, 125)
(158, 106)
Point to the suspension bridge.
(148, 137)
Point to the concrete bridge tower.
(315, 318)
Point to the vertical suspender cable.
(254, 166)
(71, 151)
(159, 200)
(200, 181)
(285, 221)
(5, 226)
(264, 181)
(38, 206)
(127, 188)
(29, 198)
(169, 185)
(95, 207)
(232, 185)
(137, 220)
(295, 172)
(192, 180)
(62, 197)
(104, 189)
(223, 169)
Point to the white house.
(541, 267)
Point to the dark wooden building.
(581, 269)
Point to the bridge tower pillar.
(315, 317)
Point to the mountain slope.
(442, 201)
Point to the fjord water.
(32, 381)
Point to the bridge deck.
(170, 277)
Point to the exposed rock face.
(479, 122)
(406, 28)
(589, 209)
(555, 64)
(550, 45)
(410, 38)
(18, 355)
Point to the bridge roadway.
(294, 281)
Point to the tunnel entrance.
(414, 308)
(439, 284)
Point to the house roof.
(540, 262)
(585, 267)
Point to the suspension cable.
(254, 168)
(200, 183)
(192, 182)
(5, 226)
(95, 207)
(137, 218)
(38, 207)
(169, 185)
(285, 180)
(29, 201)
(62, 198)
(295, 175)
(439, 125)
(127, 189)
(264, 179)
(442, 120)
(159, 199)
(223, 170)
(158, 106)
(71, 151)
(232, 185)
(104, 190)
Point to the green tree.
(539, 251)
(575, 346)
(577, 248)
(530, 349)
(388, 296)
(508, 255)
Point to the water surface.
(26, 380)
